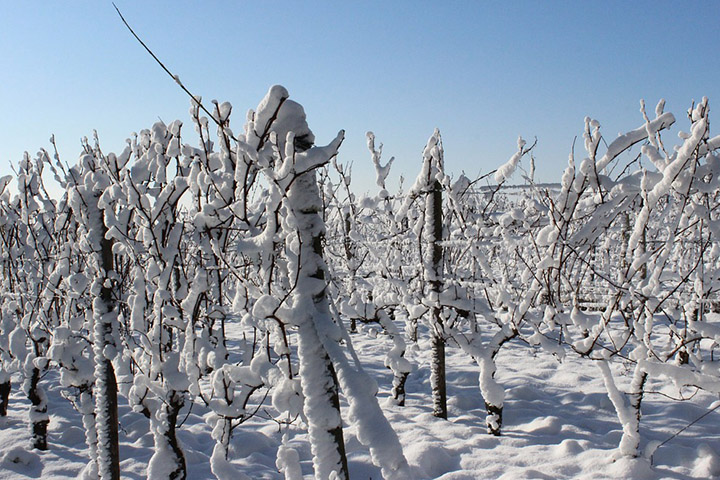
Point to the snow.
(550, 426)
(505, 171)
(587, 352)
(381, 171)
(288, 463)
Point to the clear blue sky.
(482, 72)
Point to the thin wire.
(685, 428)
(173, 76)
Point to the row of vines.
(125, 282)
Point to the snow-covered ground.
(558, 424)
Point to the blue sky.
(482, 72)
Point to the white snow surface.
(558, 424)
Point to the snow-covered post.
(311, 312)
(432, 237)
(6, 327)
(147, 226)
(105, 382)
(428, 232)
(319, 339)
(289, 163)
(433, 276)
(85, 201)
(105, 320)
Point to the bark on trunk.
(38, 412)
(106, 401)
(629, 415)
(492, 391)
(87, 410)
(494, 418)
(168, 460)
(398, 389)
(5, 388)
(107, 420)
(337, 431)
(630, 442)
(173, 410)
(437, 376)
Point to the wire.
(172, 75)
(685, 428)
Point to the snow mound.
(707, 463)
(20, 456)
(568, 447)
(529, 474)
(432, 459)
(73, 436)
(467, 475)
(543, 426)
(635, 468)
(245, 443)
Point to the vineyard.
(234, 309)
